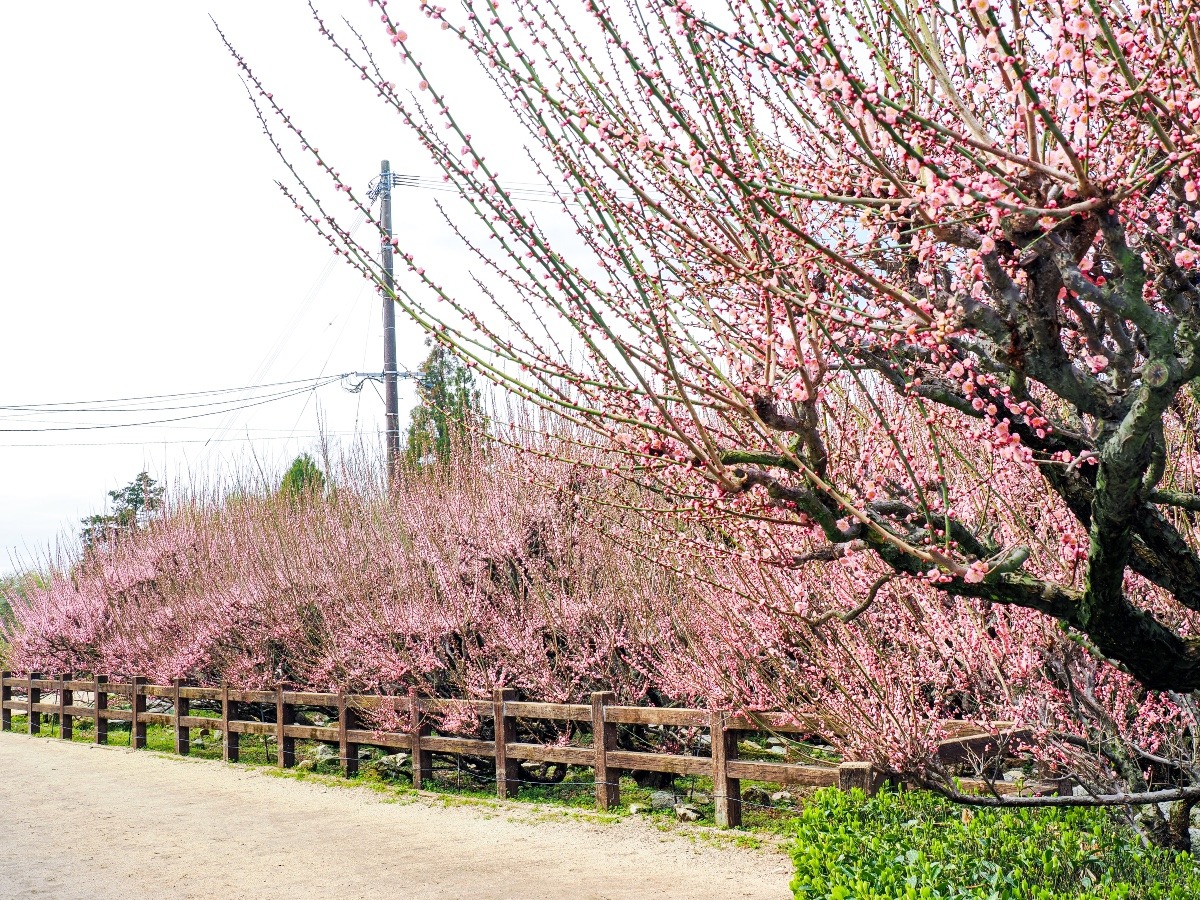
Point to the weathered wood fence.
(603, 716)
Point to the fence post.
(422, 760)
(5, 699)
(727, 792)
(229, 739)
(861, 775)
(507, 771)
(66, 699)
(101, 705)
(346, 750)
(285, 715)
(604, 738)
(34, 695)
(183, 734)
(137, 700)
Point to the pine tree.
(133, 506)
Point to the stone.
(686, 813)
(635, 808)
(757, 796)
(749, 747)
(1014, 775)
(662, 800)
(778, 750)
(390, 766)
(325, 753)
(305, 765)
(1169, 805)
(701, 798)
(1166, 808)
(783, 797)
(774, 741)
(320, 720)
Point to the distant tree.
(133, 506)
(11, 586)
(449, 403)
(303, 479)
(17, 587)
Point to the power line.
(512, 189)
(189, 428)
(174, 441)
(225, 426)
(155, 397)
(257, 401)
(227, 400)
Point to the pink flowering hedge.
(500, 570)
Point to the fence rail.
(603, 715)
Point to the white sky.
(144, 248)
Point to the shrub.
(918, 845)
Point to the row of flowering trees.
(497, 569)
(467, 576)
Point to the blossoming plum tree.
(889, 298)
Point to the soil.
(86, 821)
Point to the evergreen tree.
(133, 506)
(303, 479)
(450, 404)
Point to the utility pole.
(390, 394)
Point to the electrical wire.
(173, 441)
(48, 407)
(428, 184)
(256, 401)
(347, 312)
(225, 426)
(223, 401)
(513, 189)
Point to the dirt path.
(80, 821)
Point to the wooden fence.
(603, 716)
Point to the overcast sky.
(147, 251)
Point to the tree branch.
(1143, 798)
(1175, 498)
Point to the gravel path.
(86, 821)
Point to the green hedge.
(918, 845)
